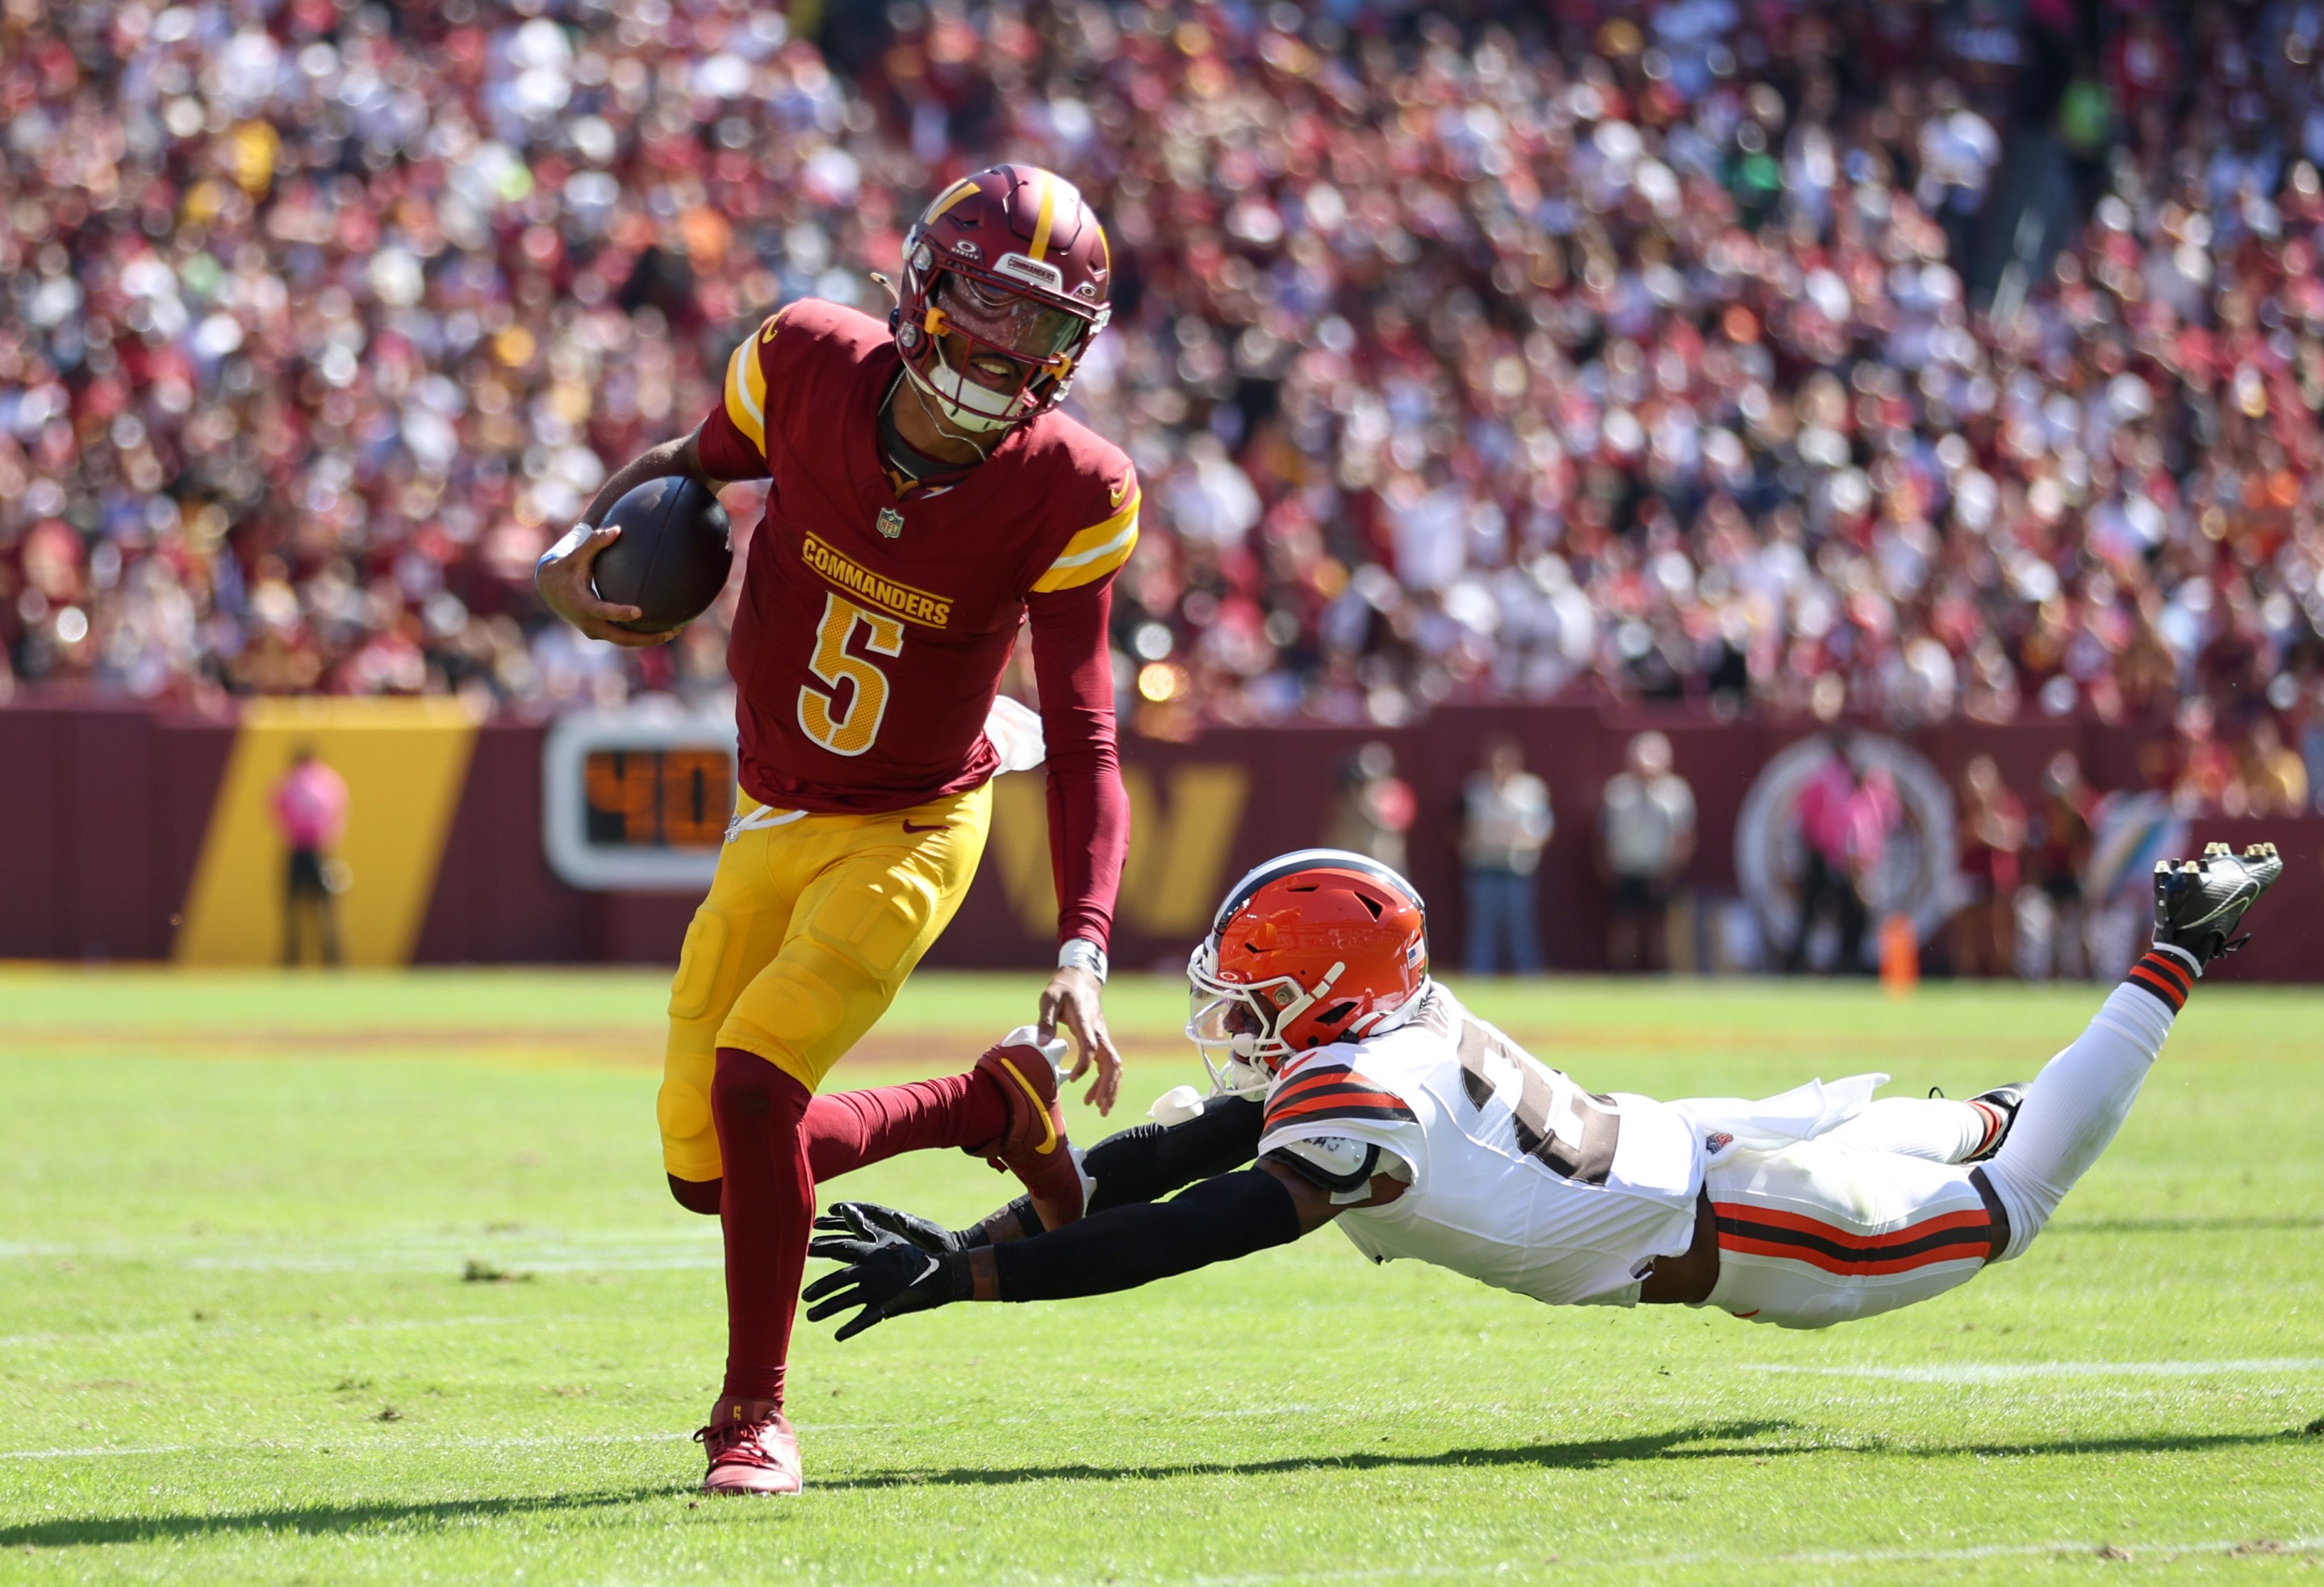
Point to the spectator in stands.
(310, 812)
(2275, 772)
(1506, 822)
(1846, 816)
(2051, 914)
(1982, 930)
(1375, 808)
(1481, 359)
(1645, 838)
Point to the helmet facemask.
(1236, 1026)
(973, 331)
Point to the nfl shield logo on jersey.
(890, 522)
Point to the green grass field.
(375, 1279)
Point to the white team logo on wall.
(1914, 875)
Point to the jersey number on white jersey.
(1558, 1124)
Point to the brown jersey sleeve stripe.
(1338, 1096)
(1324, 1082)
(1334, 1092)
(1395, 1113)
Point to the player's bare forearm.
(680, 456)
(1074, 1000)
(566, 577)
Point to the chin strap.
(912, 381)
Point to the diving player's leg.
(2076, 1103)
(1854, 1223)
(2080, 1098)
(1828, 1231)
(1934, 1129)
(1825, 1232)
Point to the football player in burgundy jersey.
(927, 498)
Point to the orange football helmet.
(1314, 947)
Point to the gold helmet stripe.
(947, 198)
(1048, 186)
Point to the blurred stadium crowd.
(1904, 361)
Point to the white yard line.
(354, 1443)
(294, 1325)
(533, 1250)
(1974, 1372)
(84, 1454)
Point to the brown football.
(673, 555)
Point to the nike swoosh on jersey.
(939, 826)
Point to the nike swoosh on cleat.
(939, 826)
(1048, 1129)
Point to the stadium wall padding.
(404, 762)
(108, 810)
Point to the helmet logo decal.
(967, 250)
(1024, 269)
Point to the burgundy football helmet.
(1006, 278)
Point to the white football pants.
(1880, 1212)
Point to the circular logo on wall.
(1874, 803)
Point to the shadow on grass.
(1732, 1440)
(312, 1520)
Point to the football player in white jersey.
(1370, 1098)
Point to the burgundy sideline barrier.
(106, 808)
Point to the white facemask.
(960, 400)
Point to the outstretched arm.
(1089, 816)
(1140, 1165)
(1220, 1219)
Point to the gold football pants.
(811, 925)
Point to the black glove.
(887, 1275)
(867, 1220)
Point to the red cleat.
(751, 1450)
(1034, 1145)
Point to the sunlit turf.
(373, 1278)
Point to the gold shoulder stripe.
(746, 392)
(1094, 552)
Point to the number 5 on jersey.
(848, 728)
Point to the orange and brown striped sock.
(2166, 974)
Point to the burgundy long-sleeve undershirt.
(1089, 812)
